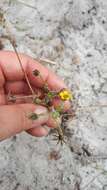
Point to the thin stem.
(27, 5)
(26, 77)
(67, 114)
(13, 45)
(92, 106)
(47, 61)
(10, 98)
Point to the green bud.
(33, 116)
(47, 101)
(37, 101)
(45, 88)
(50, 94)
(55, 114)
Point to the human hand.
(13, 118)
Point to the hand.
(13, 117)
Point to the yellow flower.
(65, 95)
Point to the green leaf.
(55, 114)
(51, 94)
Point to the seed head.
(36, 72)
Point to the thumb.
(15, 118)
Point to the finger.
(16, 87)
(17, 99)
(46, 76)
(2, 97)
(38, 131)
(2, 79)
(12, 70)
(14, 118)
(53, 122)
(19, 87)
(63, 106)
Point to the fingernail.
(42, 116)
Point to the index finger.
(12, 71)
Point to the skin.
(14, 117)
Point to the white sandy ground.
(72, 33)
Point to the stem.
(27, 5)
(92, 107)
(26, 77)
(10, 98)
(13, 45)
(67, 114)
(59, 130)
(47, 61)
